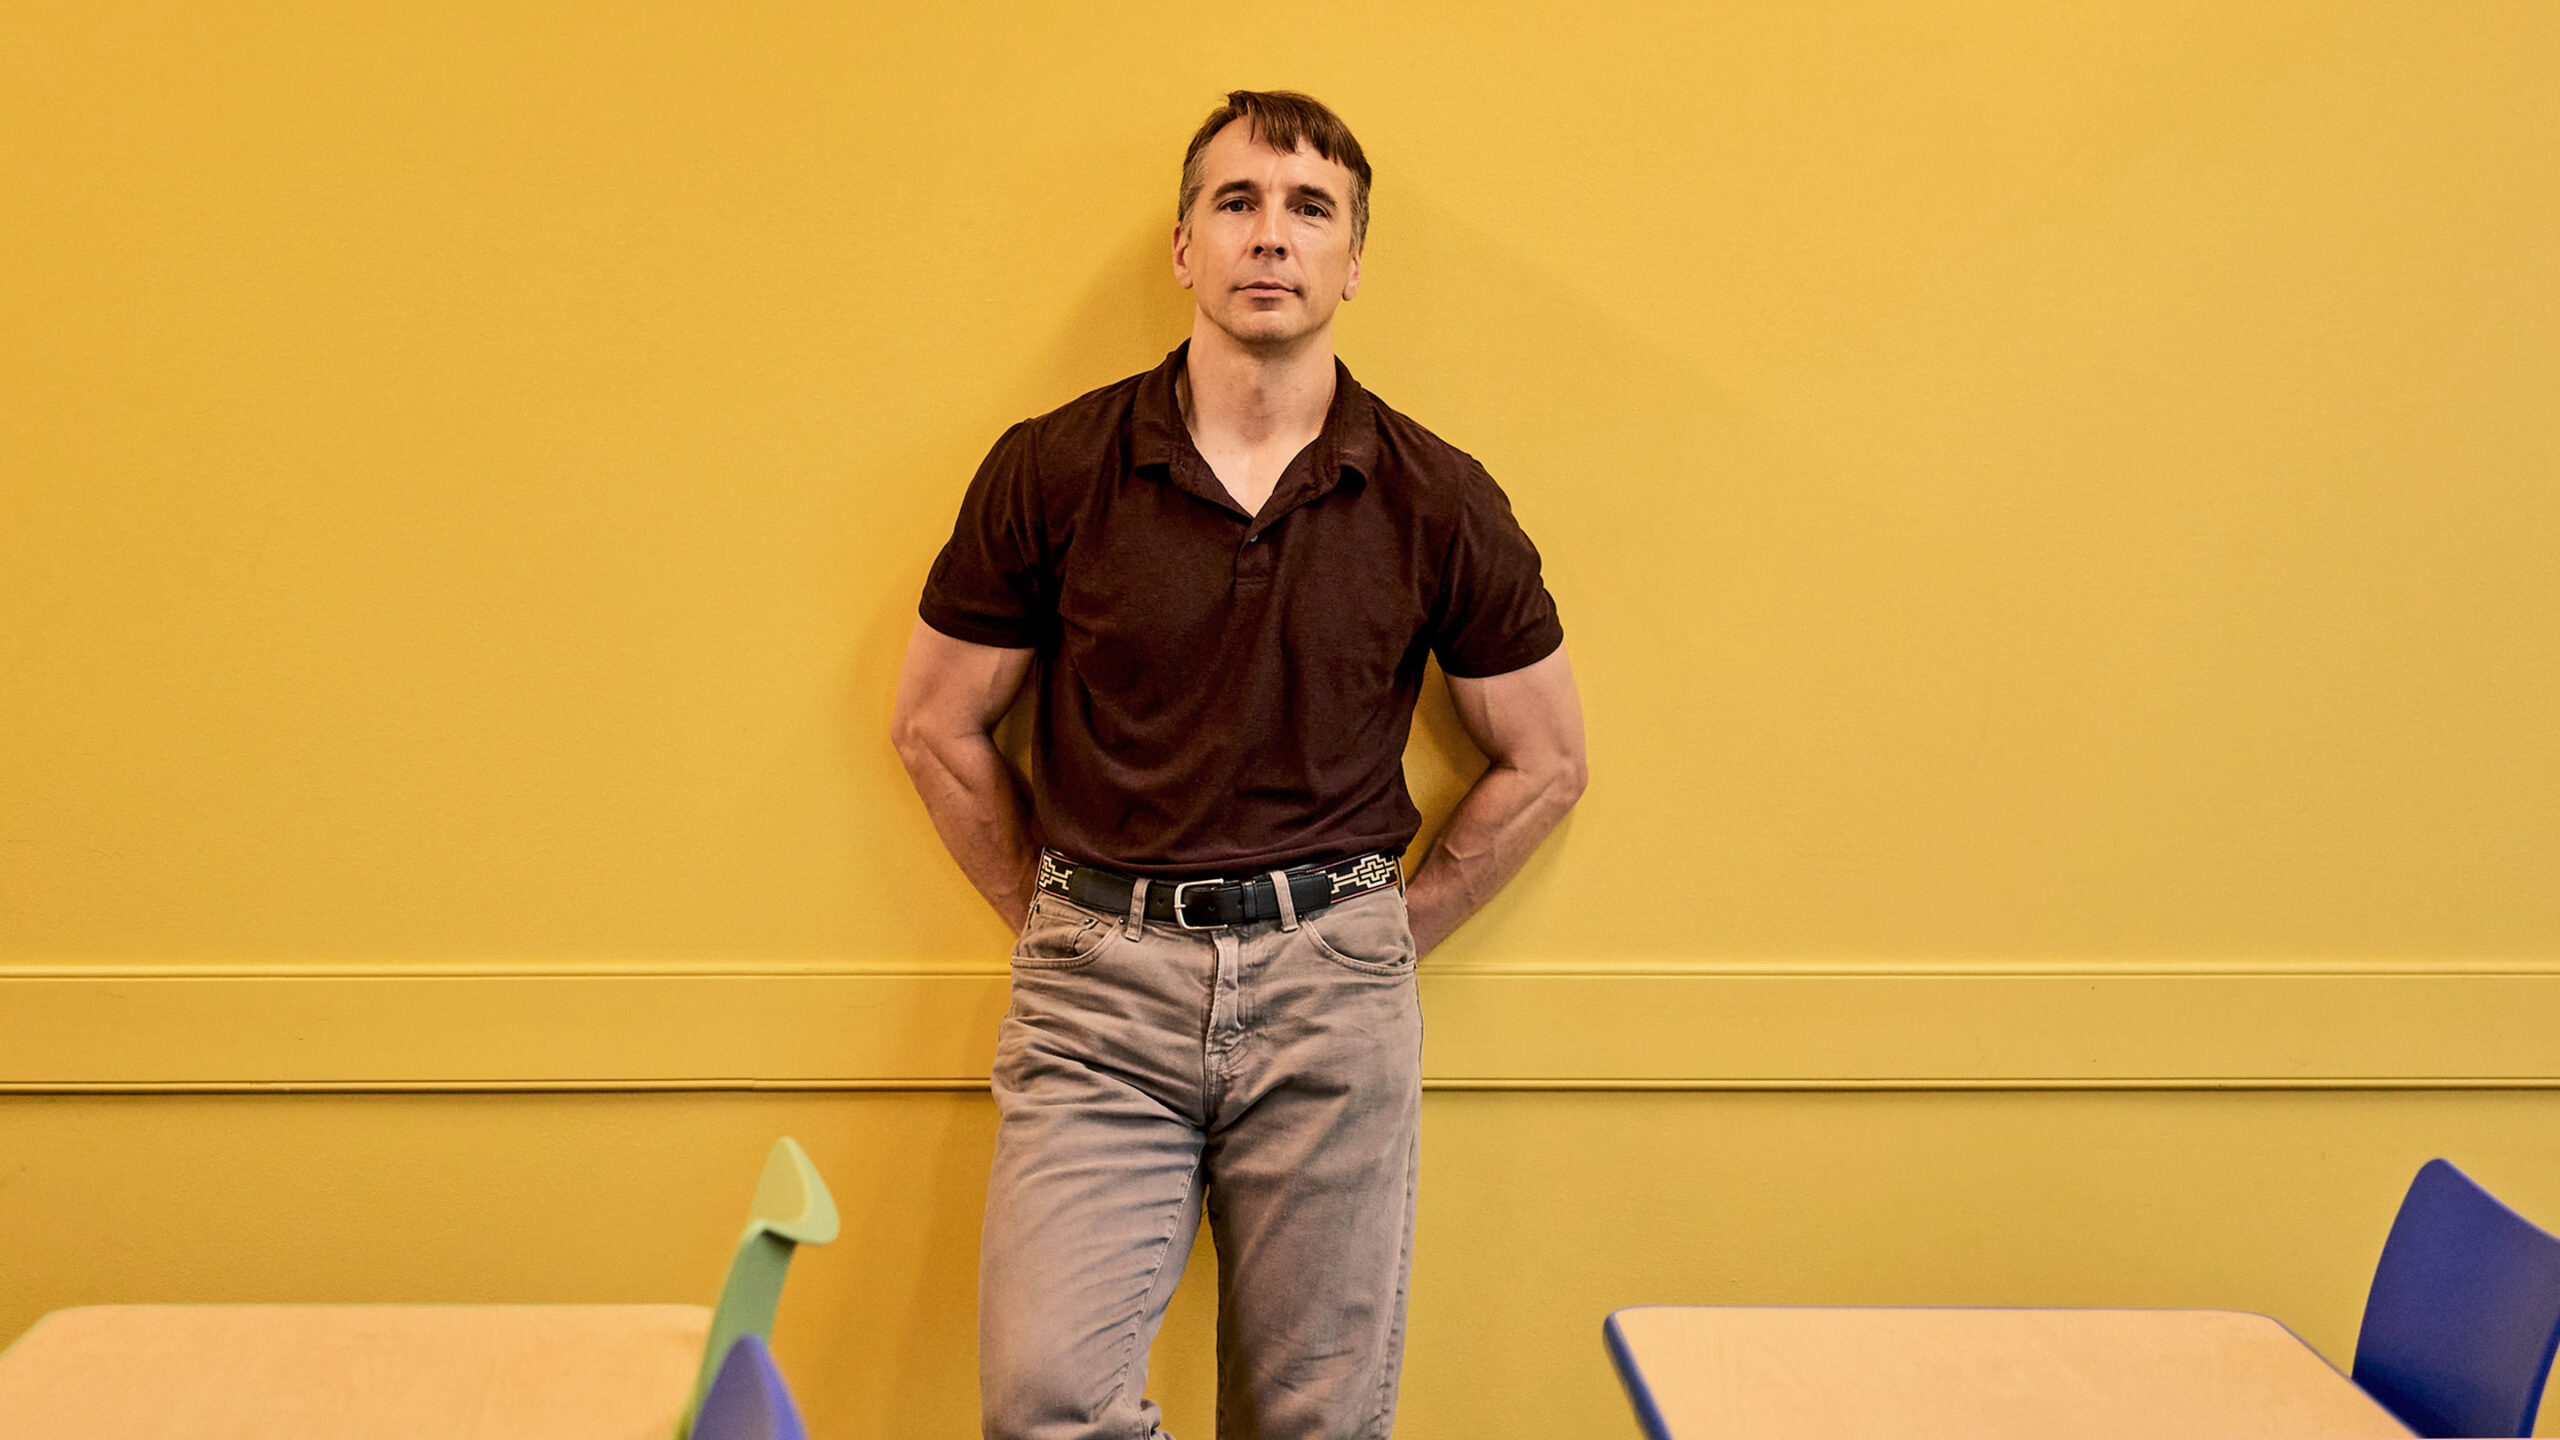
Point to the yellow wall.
(2054, 513)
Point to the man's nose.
(1266, 238)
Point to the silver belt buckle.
(1183, 921)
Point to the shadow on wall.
(1605, 441)
(1130, 314)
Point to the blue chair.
(748, 1400)
(2464, 1313)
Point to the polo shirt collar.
(1349, 440)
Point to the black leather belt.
(1206, 904)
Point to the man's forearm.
(976, 801)
(1486, 841)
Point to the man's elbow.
(909, 739)
(1567, 777)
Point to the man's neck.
(1239, 396)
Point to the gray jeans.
(1269, 1075)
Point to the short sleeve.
(1494, 615)
(990, 585)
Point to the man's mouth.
(1267, 287)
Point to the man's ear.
(1351, 282)
(1182, 254)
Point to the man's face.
(1267, 250)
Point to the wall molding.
(1623, 1026)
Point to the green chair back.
(792, 1208)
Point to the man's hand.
(951, 694)
(1529, 723)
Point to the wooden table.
(363, 1372)
(1711, 1371)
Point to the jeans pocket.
(1061, 937)
(1368, 933)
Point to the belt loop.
(1288, 902)
(1137, 926)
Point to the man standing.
(1226, 573)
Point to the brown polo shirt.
(1219, 692)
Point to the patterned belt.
(1206, 904)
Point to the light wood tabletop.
(363, 1372)
(1715, 1371)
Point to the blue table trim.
(1648, 1414)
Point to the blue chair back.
(2464, 1312)
(748, 1400)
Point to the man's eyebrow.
(1296, 192)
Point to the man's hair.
(1283, 120)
